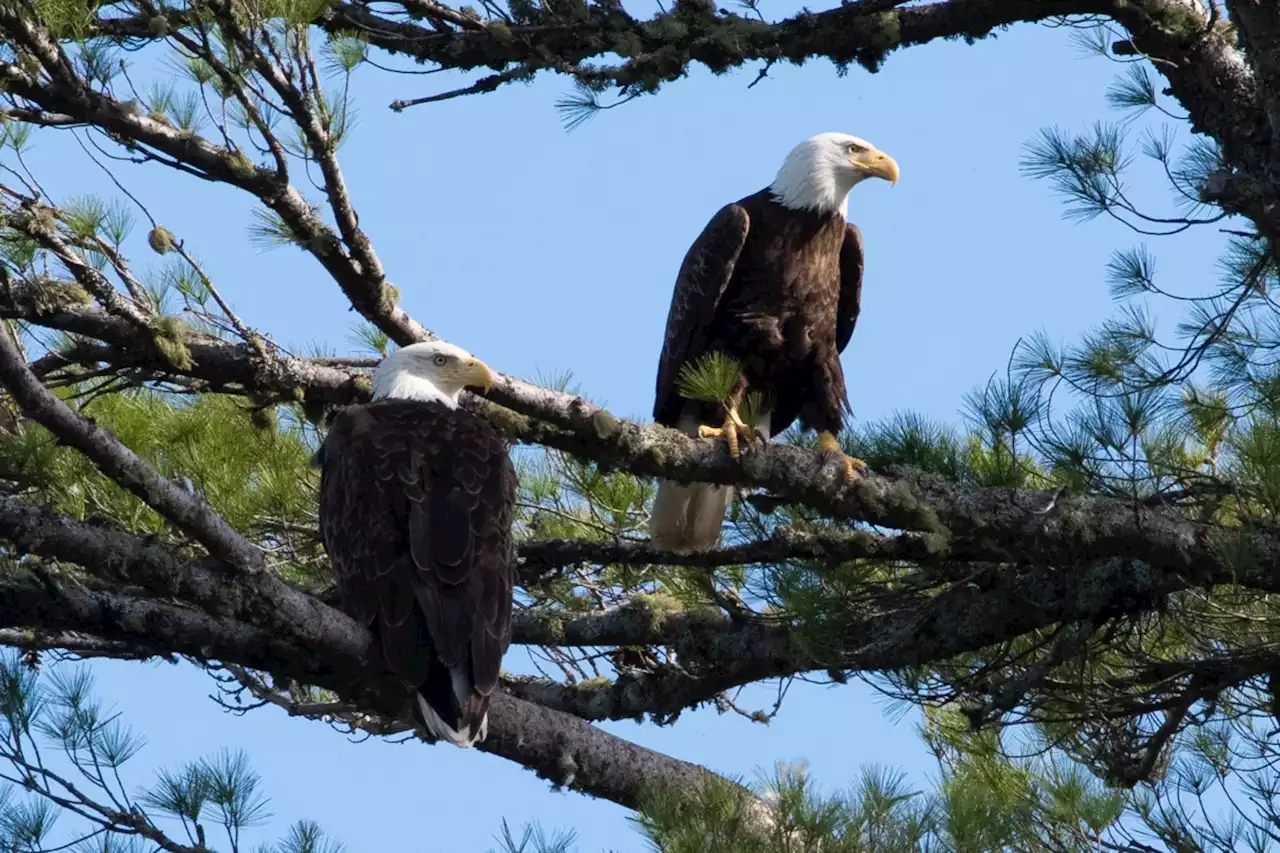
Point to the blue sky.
(541, 250)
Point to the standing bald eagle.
(774, 281)
(415, 512)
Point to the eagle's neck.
(403, 385)
(802, 184)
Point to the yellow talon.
(733, 429)
(729, 431)
(853, 466)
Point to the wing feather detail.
(851, 266)
(415, 513)
(700, 285)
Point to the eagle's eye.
(440, 360)
(855, 148)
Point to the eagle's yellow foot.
(745, 432)
(853, 466)
(733, 429)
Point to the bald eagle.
(774, 281)
(415, 512)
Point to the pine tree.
(1074, 581)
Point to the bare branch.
(547, 556)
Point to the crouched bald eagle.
(775, 282)
(416, 497)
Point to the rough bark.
(39, 599)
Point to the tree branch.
(364, 287)
(972, 524)
(180, 507)
(37, 597)
(543, 557)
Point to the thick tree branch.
(995, 525)
(916, 625)
(37, 597)
(1259, 33)
(1208, 74)
(163, 570)
(715, 653)
(219, 364)
(831, 547)
(892, 631)
(76, 645)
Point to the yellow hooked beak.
(877, 164)
(476, 374)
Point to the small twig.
(348, 713)
(435, 11)
(481, 86)
(764, 72)
(74, 644)
(870, 7)
(246, 334)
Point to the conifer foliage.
(1074, 581)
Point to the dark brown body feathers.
(778, 290)
(415, 512)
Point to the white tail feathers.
(688, 518)
(443, 731)
(461, 737)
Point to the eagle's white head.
(429, 371)
(819, 172)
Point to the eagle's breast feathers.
(777, 289)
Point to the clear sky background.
(541, 250)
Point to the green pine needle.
(99, 62)
(754, 406)
(712, 378)
(344, 52)
(1159, 145)
(268, 231)
(234, 789)
(577, 108)
(1209, 413)
(1084, 168)
(370, 337)
(67, 19)
(17, 136)
(534, 839)
(198, 69)
(1092, 42)
(1135, 91)
(1131, 272)
(306, 836)
(89, 216)
(186, 111)
(182, 794)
